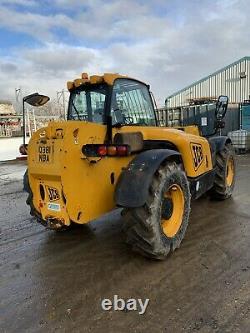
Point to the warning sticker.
(53, 206)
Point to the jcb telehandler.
(112, 153)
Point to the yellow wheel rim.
(171, 225)
(230, 172)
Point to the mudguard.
(133, 184)
(217, 143)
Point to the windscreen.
(88, 103)
(132, 104)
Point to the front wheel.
(160, 225)
(225, 174)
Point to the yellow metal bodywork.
(84, 186)
(192, 129)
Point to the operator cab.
(126, 101)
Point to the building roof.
(209, 76)
(6, 108)
(4, 101)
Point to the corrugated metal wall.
(233, 81)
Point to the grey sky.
(168, 44)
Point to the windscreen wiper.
(118, 125)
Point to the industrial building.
(232, 80)
(10, 122)
(196, 104)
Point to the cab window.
(88, 103)
(131, 104)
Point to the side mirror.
(36, 99)
(221, 107)
(223, 99)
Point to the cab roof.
(108, 78)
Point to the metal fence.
(202, 116)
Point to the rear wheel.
(225, 174)
(26, 182)
(160, 225)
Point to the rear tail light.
(93, 150)
(121, 150)
(102, 151)
(112, 150)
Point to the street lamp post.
(24, 125)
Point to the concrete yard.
(9, 148)
(55, 281)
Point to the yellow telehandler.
(111, 152)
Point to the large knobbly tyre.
(33, 211)
(225, 174)
(160, 225)
(29, 201)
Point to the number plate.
(45, 153)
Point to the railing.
(5, 131)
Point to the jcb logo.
(53, 193)
(197, 154)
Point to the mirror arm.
(24, 125)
